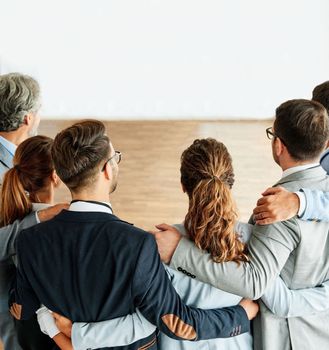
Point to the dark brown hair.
(31, 172)
(207, 176)
(78, 151)
(302, 125)
(321, 94)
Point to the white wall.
(167, 59)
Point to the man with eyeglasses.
(278, 204)
(89, 265)
(297, 250)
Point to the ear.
(279, 147)
(28, 119)
(55, 178)
(107, 171)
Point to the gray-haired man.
(19, 105)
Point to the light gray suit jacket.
(298, 249)
(8, 236)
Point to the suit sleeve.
(24, 294)
(8, 235)
(158, 301)
(316, 205)
(123, 331)
(285, 302)
(269, 248)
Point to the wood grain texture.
(149, 190)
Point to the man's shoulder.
(286, 232)
(103, 223)
(314, 178)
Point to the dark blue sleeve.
(158, 301)
(24, 294)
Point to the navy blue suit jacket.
(91, 266)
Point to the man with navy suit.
(89, 265)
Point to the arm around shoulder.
(269, 248)
(158, 301)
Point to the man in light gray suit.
(296, 249)
(19, 105)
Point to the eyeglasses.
(271, 135)
(117, 157)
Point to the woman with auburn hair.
(211, 223)
(29, 186)
(207, 177)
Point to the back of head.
(19, 96)
(78, 153)
(321, 95)
(33, 167)
(303, 127)
(207, 177)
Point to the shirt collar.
(88, 206)
(10, 147)
(297, 168)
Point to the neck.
(291, 163)
(45, 196)
(90, 196)
(16, 137)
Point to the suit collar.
(306, 174)
(6, 158)
(92, 216)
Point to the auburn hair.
(207, 177)
(31, 172)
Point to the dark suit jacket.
(91, 266)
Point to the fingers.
(260, 209)
(16, 310)
(266, 221)
(273, 190)
(164, 227)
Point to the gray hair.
(19, 96)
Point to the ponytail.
(207, 176)
(14, 201)
(211, 220)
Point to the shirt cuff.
(46, 322)
(76, 337)
(37, 217)
(302, 203)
